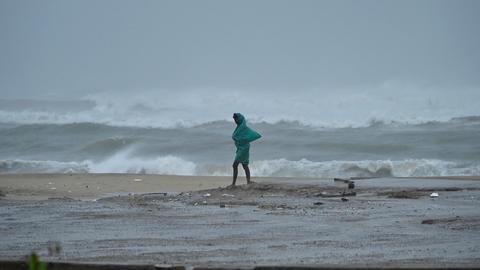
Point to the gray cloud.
(74, 47)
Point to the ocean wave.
(42, 166)
(58, 124)
(109, 145)
(168, 165)
(331, 108)
(363, 168)
(123, 162)
(172, 165)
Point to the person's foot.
(232, 186)
(250, 182)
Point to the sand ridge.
(91, 186)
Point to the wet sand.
(197, 221)
(91, 186)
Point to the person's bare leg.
(235, 172)
(247, 172)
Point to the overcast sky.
(75, 47)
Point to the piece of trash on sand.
(428, 221)
(317, 203)
(344, 200)
(331, 195)
(53, 188)
(228, 195)
(344, 180)
(207, 195)
(167, 267)
(137, 180)
(434, 195)
(222, 205)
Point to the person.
(242, 136)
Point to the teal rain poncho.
(243, 136)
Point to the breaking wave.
(311, 107)
(364, 168)
(172, 165)
(41, 166)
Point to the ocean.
(344, 133)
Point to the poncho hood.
(242, 133)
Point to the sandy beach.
(199, 221)
(92, 186)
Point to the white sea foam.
(168, 165)
(172, 165)
(41, 166)
(364, 168)
(124, 163)
(315, 107)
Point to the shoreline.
(96, 185)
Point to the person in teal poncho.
(243, 136)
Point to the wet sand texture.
(273, 222)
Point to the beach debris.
(402, 194)
(168, 267)
(345, 180)
(453, 222)
(137, 180)
(207, 195)
(204, 202)
(331, 195)
(228, 195)
(158, 193)
(50, 183)
(53, 188)
(348, 181)
(196, 203)
(321, 194)
(317, 203)
(64, 198)
(344, 199)
(434, 195)
(351, 185)
(222, 205)
(275, 206)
